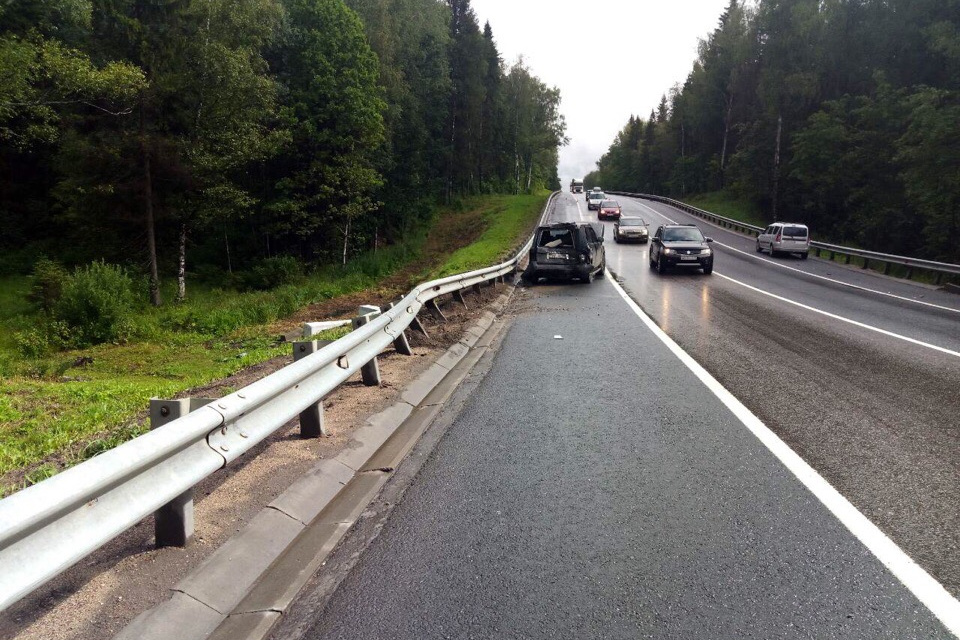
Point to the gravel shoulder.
(100, 595)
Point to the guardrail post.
(476, 288)
(848, 256)
(909, 272)
(866, 263)
(416, 324)
(370, 372)
(401, 344)
(311, 418)
(886, 269)
(458, 296)
(435, 309)
(173, 522)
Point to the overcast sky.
(610, 58)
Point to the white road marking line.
(920, 583)
(835, 281)
(814, 275)
(841, 318)
(827, 313)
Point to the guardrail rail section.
(938, 268)
(48, 527)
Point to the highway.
(876, 414)
(599, 483)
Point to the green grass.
(510, 220)
(63, 408)
(724, 204)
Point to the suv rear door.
(557, 245)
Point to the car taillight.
(777, 239)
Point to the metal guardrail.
(939, 268)
(46, 528)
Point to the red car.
(609, 209)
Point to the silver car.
(594, 198)
(630, 229)
(785, 237)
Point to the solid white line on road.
(840, 318)
(827, 313)
(814, 275)
(920, 583)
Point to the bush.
(47, 285)
(95, 303)
(271, 273)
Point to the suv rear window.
(795, 232)
(553, 238)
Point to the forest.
(188, 139)
(842, 114)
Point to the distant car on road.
(785, 237)
(630, 229)
(594, 198)
(608, 209)
(680, 245)
(567, 250)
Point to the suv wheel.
(759, 248)
(803, 256)
(661, 268)
(707, 270)
(603, 268)
(773, 252)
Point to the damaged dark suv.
(567, 250)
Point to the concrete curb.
(243, 588)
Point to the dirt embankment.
(104, 592)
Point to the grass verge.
(724, 204)
(508, 222)
(64, 408)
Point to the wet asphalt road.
(878, 416)
(593, 487)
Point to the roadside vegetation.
(841, 115)
(63, 402)
(725, 204)
(176, 179)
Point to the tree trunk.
(182, 264)
(453, 155)
(529, 173)
(683, 158)
(226, 243)
(346, 236)
(726, 136)
(155, 298)
(776, 167)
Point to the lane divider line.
(814, 275)
(840, 318)
(921, 584)
(835, 281)
(821, 311)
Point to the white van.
(785, 237)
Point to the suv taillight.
(777, 239)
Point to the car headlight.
(706, 252)
(668, 251)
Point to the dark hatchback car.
(567, 250)
(680, 245)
